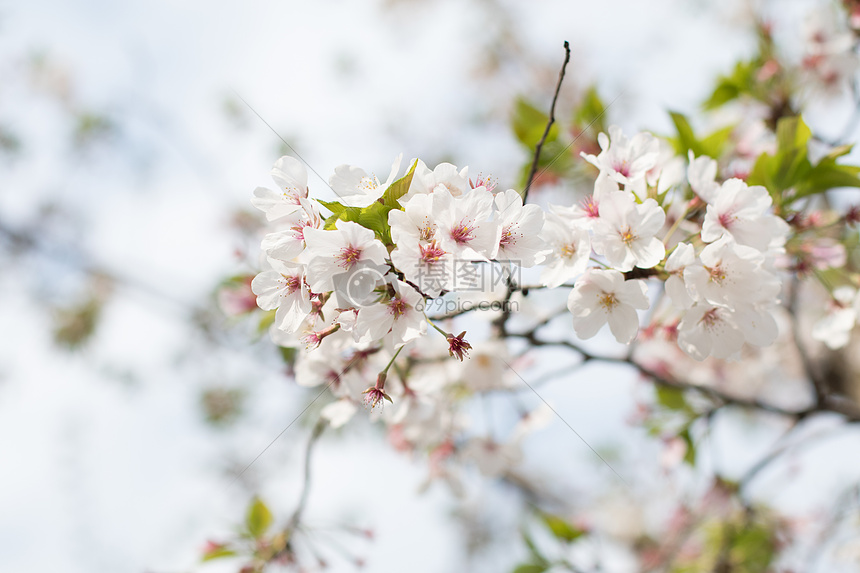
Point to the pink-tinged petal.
(289, 172)
(624, 323)
(589, 325)
(267, 286)
(652, 218)
(648, 254)
(323, 242)
(633, 293)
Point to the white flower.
(668, 169)
(288, 243)
(702, 174)
(427, 265)
(486, 367)
(741, 212)
(339, 412)
(683, 256)
(520, 226)
(336, 252)
(604, 296)
(358, 189)
(588, 211)
(415, 222)
(627, 161)
(569, 246)
(626, 232)
(834, 329)
(463, 224)
(292, 180)
(400, 314)
(728, 274)
(756, 322)
(283, 288)
(709, 330)
(445, 177)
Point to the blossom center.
(431, 253)
(348, 256)
(568, 250)
(463, 232)
(627, 236)
(507, 237)
(589, 205)
(368, 184)
(292, 284)
(609, 301)
(397, 307)
(710, 319)
(727, 220)
(427, 230)
(622, 167)
(292, 194)
(717, 274)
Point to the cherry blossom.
(335, 252)
(626, 232)
(626, 160)
(834, 329)
(291, 178)
(741, 212)
(520, 226)
(283, 288)
(602, 297)
(569, 248)
(356, 188)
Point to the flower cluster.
(357, 281)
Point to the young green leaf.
(258, 518)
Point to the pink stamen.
(348, 256)
(463, 233)
(589, 205)
(431, 253)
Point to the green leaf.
(375, 218)
(537, 556)
(790, 165)
(375, 215)
(753, 548)
(560, 528)
(690, 454)
(827, 175)
(591, 109)
(686, 139)
(258, 518)
(530, 568)
(672, 398)
(266, 320)
(529, 123)
(740, 81)
(712, 145)
(333, 206)
(288, 355)
(218, 553)
(399, 188)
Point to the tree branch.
(295, 519)
(549, 123)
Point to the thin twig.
(549, 123)
(295, 519)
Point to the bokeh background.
(129, 403)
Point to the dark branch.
(549, 123)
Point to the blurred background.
(130, 401)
